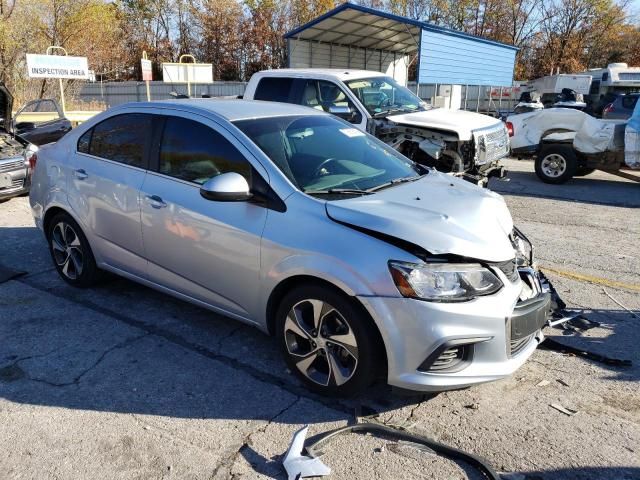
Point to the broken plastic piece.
(566, 411)
(298, 465)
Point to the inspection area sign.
(57, 66)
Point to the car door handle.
(80, 174)
(155, 201)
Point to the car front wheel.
(327, 341)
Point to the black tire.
(583, 171)
(367, 355)
(556, 164)
(70, 252)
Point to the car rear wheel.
(556, 164)
(70, 251)
(327, 341)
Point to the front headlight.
(443, 282)
(522, 247)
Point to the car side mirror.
(344, 112)
(226, 187)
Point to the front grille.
(509, 268)
(492, 145)
(10, 166)
(518, 345)
(14, 184)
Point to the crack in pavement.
(77, 379)
(224, 469)
(228, 336)
(230, 362)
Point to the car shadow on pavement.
(614, 338)
(126, 348)
(583, 473)
(589, 190)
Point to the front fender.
(331, 270)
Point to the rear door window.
(122, 138)
(195, 152)
(274, 89)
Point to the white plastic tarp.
(595, 136)
(591, 135)
(632, 140)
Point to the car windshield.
(322, 154)
(381, 95)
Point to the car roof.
(335, 73)
(229, 109)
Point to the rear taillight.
(608, 109)
(31, 158)
(510, 129)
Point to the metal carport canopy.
(339, 37)
(362, 27)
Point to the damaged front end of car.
(475, 160)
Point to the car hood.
(6, 103)
(459, 121)
(440, 213)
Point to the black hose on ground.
(381, 430)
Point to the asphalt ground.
(120, 381)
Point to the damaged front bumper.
(442, 346)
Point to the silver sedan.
(361, 263)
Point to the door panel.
(41, 122)
(105, 196)
(104, 188)
(204, 249)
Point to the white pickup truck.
(464, 143)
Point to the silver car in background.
(360, 262)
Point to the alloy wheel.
(553, 165)
(321, 342)
(67, 250)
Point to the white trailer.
(614, 78)
(556, 83)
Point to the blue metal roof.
(325, 29)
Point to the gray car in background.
(621, 108)
(361, 263)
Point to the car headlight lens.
(522, 247)
(443, 282)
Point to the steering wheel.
(317, 173)
(383, 101)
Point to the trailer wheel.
(556, 164)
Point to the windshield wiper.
(339, 191)
(394, 110)
(395, 181)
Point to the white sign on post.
(57, 66)
(187, 72)
(147, 72)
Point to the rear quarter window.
(274, 89)
(84, 141)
